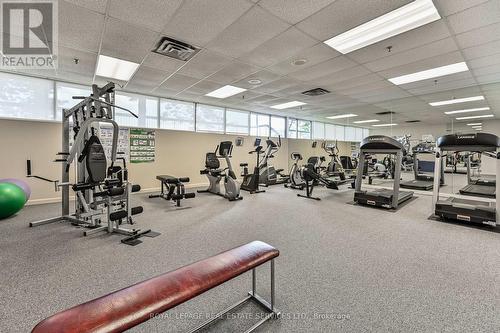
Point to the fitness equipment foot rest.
(131, 306)
(176, 190)
(134, 239)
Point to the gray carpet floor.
(342, 268)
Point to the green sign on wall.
(142, 145)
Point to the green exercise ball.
(12, 199)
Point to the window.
(318, 130)
(26, 97)
(176, 115)
(292, 128)
(329, 132)
(303, 129)
(359, 134)
(65, 93)
(366, 132)
(209, 118)
(350, 134)
(339, 133)
(259, 125)
(237, 122)
(143, 106)
(278, 126)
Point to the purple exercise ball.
(21, 183)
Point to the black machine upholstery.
(95, 160)
(211, 161)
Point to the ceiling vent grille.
(385, 113)
(316, 92)
(175, 49)
(413, 121)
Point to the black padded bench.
(176, 190)
(131, 306)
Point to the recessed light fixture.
(467, 110)
(254, 81)
(299, 62)
(475, 117)
(115, 68)
(225, 91)
(458, 100)
(385, 125)
(474, 124)
(287, 105)
(366, 121)
(476, 127)
(430, 73)
(405, 18)
(342, 116)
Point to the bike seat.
(243, 164)
(279, 170)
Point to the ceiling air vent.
(385, 113)
(412, 121)
(175, 49)
(316, 92)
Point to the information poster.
(142, 145)
(106, 137)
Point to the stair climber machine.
(268, 175)
(102, 193)
(383, 197)
(215, 174)
(251, 180)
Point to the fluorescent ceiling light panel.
(458, 100)
(225, 92)
(468, 110)
(342, 116)
(474, 124)
(287, 105)
(366, 121)
(477, 127)
(430, 73)
(115, 68)
(405, 18)
(475, 117)
(384, 125)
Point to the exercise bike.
(251, 181)
(268, 175)
(215, 174)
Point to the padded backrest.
(211, 161)
(346, 162)
(95, 160)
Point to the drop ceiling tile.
(262, 99)
(147, 78)
(243, 98)
(327, 67)
(282, 83)
(294, 11)
(279, 48)
(71, 20)
(95, 5)
(443, 86)
(438, 81)
(233, 72)
(252, 29)
(421, 65)
(423, 52)
(343, 15)
(86, 61)
(344, 75)
(264, 76)
(78, 78)
(163, 63)
(448, 7)
(451, 94)
(475, 17)
(199, 21)
(355, 82)
(482, 50)
(314, 55)
(178, 83)
(479, 36)
(204, 64)
(484, 61)
(128, 42)
(364, 88)
(489, 78)
(487, 70)
(409, 40)
(203, 87)
(150, 14)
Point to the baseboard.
(43, 201)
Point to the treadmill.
(423, 170)
(382, 197)
(484, 186)
(468, 210)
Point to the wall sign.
(142, 145)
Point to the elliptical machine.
(268, 175)
(296, 182)
(335, 168)
(215, 174)
(251, 181)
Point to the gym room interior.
(249, 165)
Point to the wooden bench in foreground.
(131, 306)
